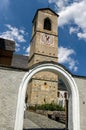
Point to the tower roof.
(42, 9)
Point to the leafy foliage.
(50, 107)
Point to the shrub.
(46, 106)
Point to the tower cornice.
(44, 9)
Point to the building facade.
(43, 86)
(62, 94)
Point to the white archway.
(73, 115)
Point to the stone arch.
(73, 115)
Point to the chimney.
(7, 47)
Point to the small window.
(47, 24)
(58, 94)
(45, 83)
(65, 95)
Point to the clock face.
(47, 39)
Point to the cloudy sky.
(16, 24)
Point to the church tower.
(43, 86)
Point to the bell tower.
(43, 47)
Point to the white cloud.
(17, 47)
(64, 57)
(14, 34)
(74, 12)
(27, 50)
(82, 35)
(64, 53)
(60, 4)
(73, 30)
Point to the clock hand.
(47, 38)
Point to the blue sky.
(16, 24)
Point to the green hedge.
(50, 107)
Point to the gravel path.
(41, 121)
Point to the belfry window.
(47, 24)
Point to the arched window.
(47, 24)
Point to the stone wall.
(42, 91)
(59, 116)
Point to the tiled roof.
(20, 61)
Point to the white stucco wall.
(81, 83)
(9, 85)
